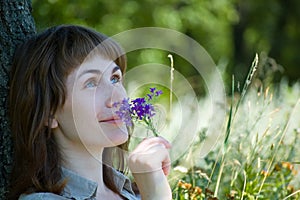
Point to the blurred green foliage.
(232, 31)
(260, 159)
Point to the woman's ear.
(53, 123)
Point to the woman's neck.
(89, 166)
(85, 163)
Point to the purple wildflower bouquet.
(138, 110)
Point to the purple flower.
(152, 90)
(124, 111)
(116, 104)
(149, 96)
(158, 92)
(139, 101)
(139, 109)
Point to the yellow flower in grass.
(184, 185)
(287, 165)
(197, 190)
(265, 172)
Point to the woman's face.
(88, 116)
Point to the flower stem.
(150, 126)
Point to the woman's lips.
(112, 121)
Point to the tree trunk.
(16, 23)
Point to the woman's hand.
(150, 164)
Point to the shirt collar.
(122, 182)
(79, 187)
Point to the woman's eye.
(91, 84)
(115, 79)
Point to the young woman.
(66, 134)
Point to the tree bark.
(16, 23)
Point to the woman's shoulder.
(41, 196)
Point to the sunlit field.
(257, 154)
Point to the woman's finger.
(149, 142)
(153, 159)
(166, 166)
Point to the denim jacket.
(80, 188)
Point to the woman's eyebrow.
(91, 71)
(116, 68)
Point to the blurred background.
(231, 31)
(264, 135)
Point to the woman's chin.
(120, 138)
(116, 136)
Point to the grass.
(257, 157)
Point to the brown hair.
(37, 91)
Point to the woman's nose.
(116, 96)
(109, 103)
